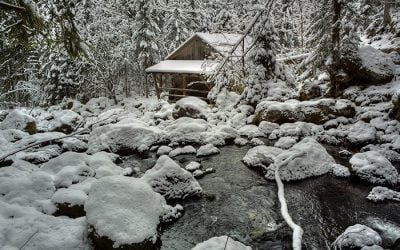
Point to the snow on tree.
(264, 67)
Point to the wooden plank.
(174, 95)
(188, 90)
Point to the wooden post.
(184, 84)
(156, 85)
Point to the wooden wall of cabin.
(195, 49)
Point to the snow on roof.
(224, 42)
(183, 66)
(221, 42)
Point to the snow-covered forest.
(199, 124)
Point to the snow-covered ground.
(82, 171)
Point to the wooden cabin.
(184, 71)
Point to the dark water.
(239, 202)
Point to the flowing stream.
(239, 202)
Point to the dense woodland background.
(56, 49)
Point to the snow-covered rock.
(17, 119)
(184, 130)
(309, 90)
(69, 196)
(192, 107)
(317, 112)
(373, 167)
(39, 155)
(124, 136)
(24, 227)
(361, 133)
(374, 66)
(164, 150)
(65, 121)
(382, 194)
(396, 105)
(267, 127)
(96, 105)
(261, 156)
(71, 167)
(125, 211)
(357, 236)
(251, 131)
(388, 230)
(182, 151)
(207, 150)
(285, 142)
(172, 181)
(28, 188)
(192, 166)
(340, 171)
(221, 243)
(313, 160)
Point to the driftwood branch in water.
(87, 129)
(297, 230)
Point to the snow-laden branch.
(19, 90)
(297, 230)
(12, 7)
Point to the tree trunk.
(335, 46)
(387, 19)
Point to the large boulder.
(19, 120)
(124, 212)
(312, 160)
(369, 66)
(317, 112)
(172, 181)
(192, 107)
(123, 137)
(357, 237)
(361, 133)
(373, 167)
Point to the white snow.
(164, 150)
(285, 142)
(180, 151)
(207, 150)
(125, 210)
(374, 168)
(382, 194)
(192, 166)
(191, 106)
(71, 167)
(183, 66)
(170, 180)
(221, 243)
(361, 133)
(314, 160)
(340, 171)
(357, 236)
(27, 228)
(69, 196)
(30, 188)
(17, 119)
(124, 135)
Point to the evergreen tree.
(264, 67)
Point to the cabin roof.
(183, 67)
(221, 42)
